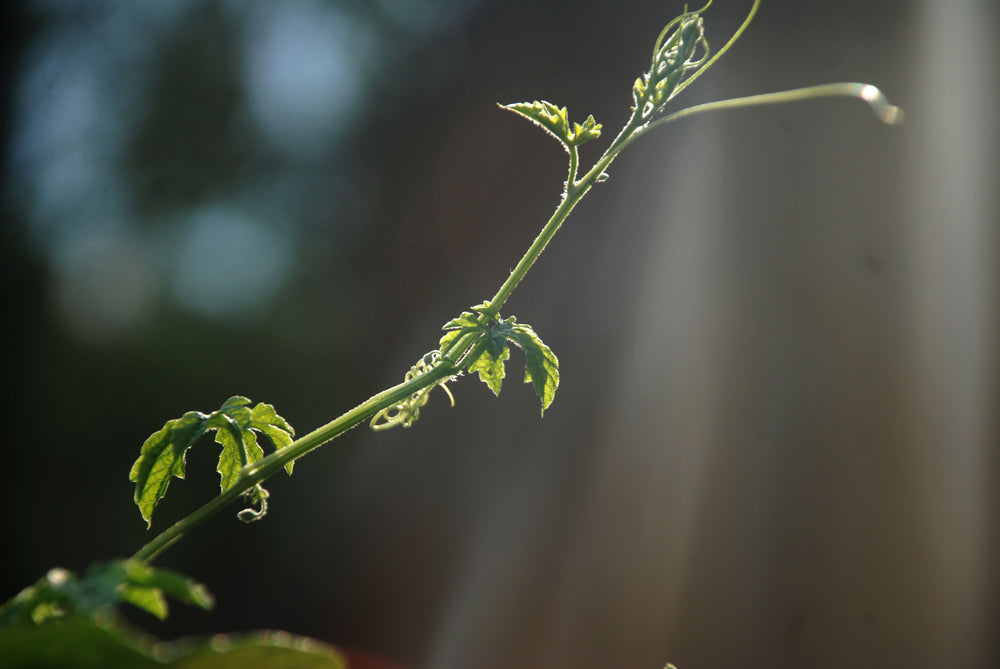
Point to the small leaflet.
(542, 366)
(489, 364)
(555, 121)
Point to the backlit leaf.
(489, 364)
(457, 328)
(149, 600)
(61, 594)
(239, 448)
(171, 583)
(265, 419)
(590, 129)
(490, 351)
(162, 457)
(555, 121)
(542, 367)
(550, 118)
(235, 425)
(467, 320)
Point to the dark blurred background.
(775, 443)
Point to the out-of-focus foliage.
(61, 594)
(83, 643)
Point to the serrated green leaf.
(542, 367)
(486, 309)
(590, 129)
(489, 364)
(466, 320)
(163, 453)
(555, 121)
(265, 419)
(238, 425)
(448, 338)
(239, 444)
(233, 405)
(547, 116)
(458, 327)
(239, 448)
(491, 351)
(162, 457)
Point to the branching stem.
(449, 363)
(452, 358)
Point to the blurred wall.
(775, 443)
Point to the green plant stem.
(453, 356)
(449, 365)
(574, 164)
(880, 106)
(573, 195)
(256, 473)
(575, 190)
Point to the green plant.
(475, 342)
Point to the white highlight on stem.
(880, 105)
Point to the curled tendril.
(407, 412)
(256, 496)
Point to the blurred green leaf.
(170, 583)
(150, 600)
(82, 643)
(61, 594)
(77, 643)
(263, 650)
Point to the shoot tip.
(887, 113)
